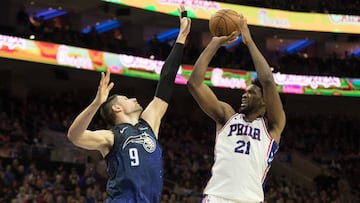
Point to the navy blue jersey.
(134, 165)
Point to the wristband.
(184, 14)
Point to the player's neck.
(250, 117)
(132, 118)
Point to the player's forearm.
(82, 122)
(261, 65)
(168, 73)
(198, 74)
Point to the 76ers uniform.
(134, 165)
(243, 155)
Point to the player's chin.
(243, 109)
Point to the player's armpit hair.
(168, 73)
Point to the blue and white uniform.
(134, 165)
(243, 155)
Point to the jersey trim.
(273, 147)
(150, 127)
(111, 151)
(227, 122)
(266, 129)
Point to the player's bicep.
(210, 104)
(94, 140)
(154, 112)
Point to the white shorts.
(216, 199)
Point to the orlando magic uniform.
(243, 155)
(134, 165)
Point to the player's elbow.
(72, 137)
(191, 85)
(266, 78)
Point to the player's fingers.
(101, 80)
(243, 22)
(233, 35)
(182, 12)
(179, 12)
(107, 76)
(181, 9)
(233, 40)
(110, 86)
(102, 77)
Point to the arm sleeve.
(165, 85)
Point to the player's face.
(129, 105)
(251, 99)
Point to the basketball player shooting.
(247, 140)
(130, 149)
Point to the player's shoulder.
(104, 133)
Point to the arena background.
(318, 160)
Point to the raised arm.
(93, 140)
(158, 106)
(274, 109)
(204, 96)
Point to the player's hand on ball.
(226, 40)
(244, 29)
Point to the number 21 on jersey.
(242, 147)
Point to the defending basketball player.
(131, 150)
(247, 140)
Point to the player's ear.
(116, 108)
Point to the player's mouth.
(243, 102)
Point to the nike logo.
(123, 129)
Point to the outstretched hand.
(103, 88)
(245, 32)
(185, 25)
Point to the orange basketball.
(224, 22)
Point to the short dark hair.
(106, 111)
(256, 82)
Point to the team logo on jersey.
(144, 139)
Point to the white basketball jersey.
(243, 155)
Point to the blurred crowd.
(25, 181)
(27, 173)
(330, 141)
